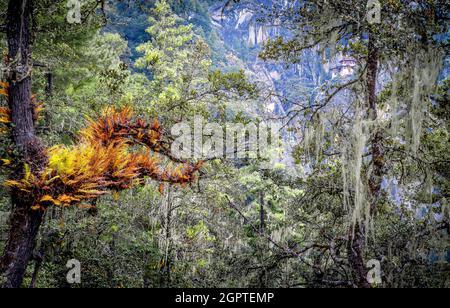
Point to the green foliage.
(238, 225)
(182, 81)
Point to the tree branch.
(288, 252)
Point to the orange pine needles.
(5, 113)
(115, 153)
(4, 88)
(114, 125)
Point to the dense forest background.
(357, 187)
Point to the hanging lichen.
(319, 137)
(360, 137)
(345, 179)
(427, 67)
(428, 187)
(308, 136)
(313, 139)
(394, 108)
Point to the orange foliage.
(115, 152)
(4, 88)
(114, 125)
(5, 113)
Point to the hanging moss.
(427, 66)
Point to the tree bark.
(262, 213)
(39, 257)
(24, 222)
(357, 233)
(377, 152)
(166, 279)
(49, 85)
(21, 241)
(355, 256)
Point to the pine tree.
(62, 176)
(183, 81)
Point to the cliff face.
(243, 34)
(240, 21)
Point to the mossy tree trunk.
(357, 233)
(24, 222)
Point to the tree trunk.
(21, 241)
(49, 85)
(377, 152)
(39, 258)
(24, 222)
(357, 233)
(40, 254)
(166, 279)
(262, 213)
(355, 255)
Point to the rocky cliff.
(243, 34)
(237, 34)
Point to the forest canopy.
(224, 144)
